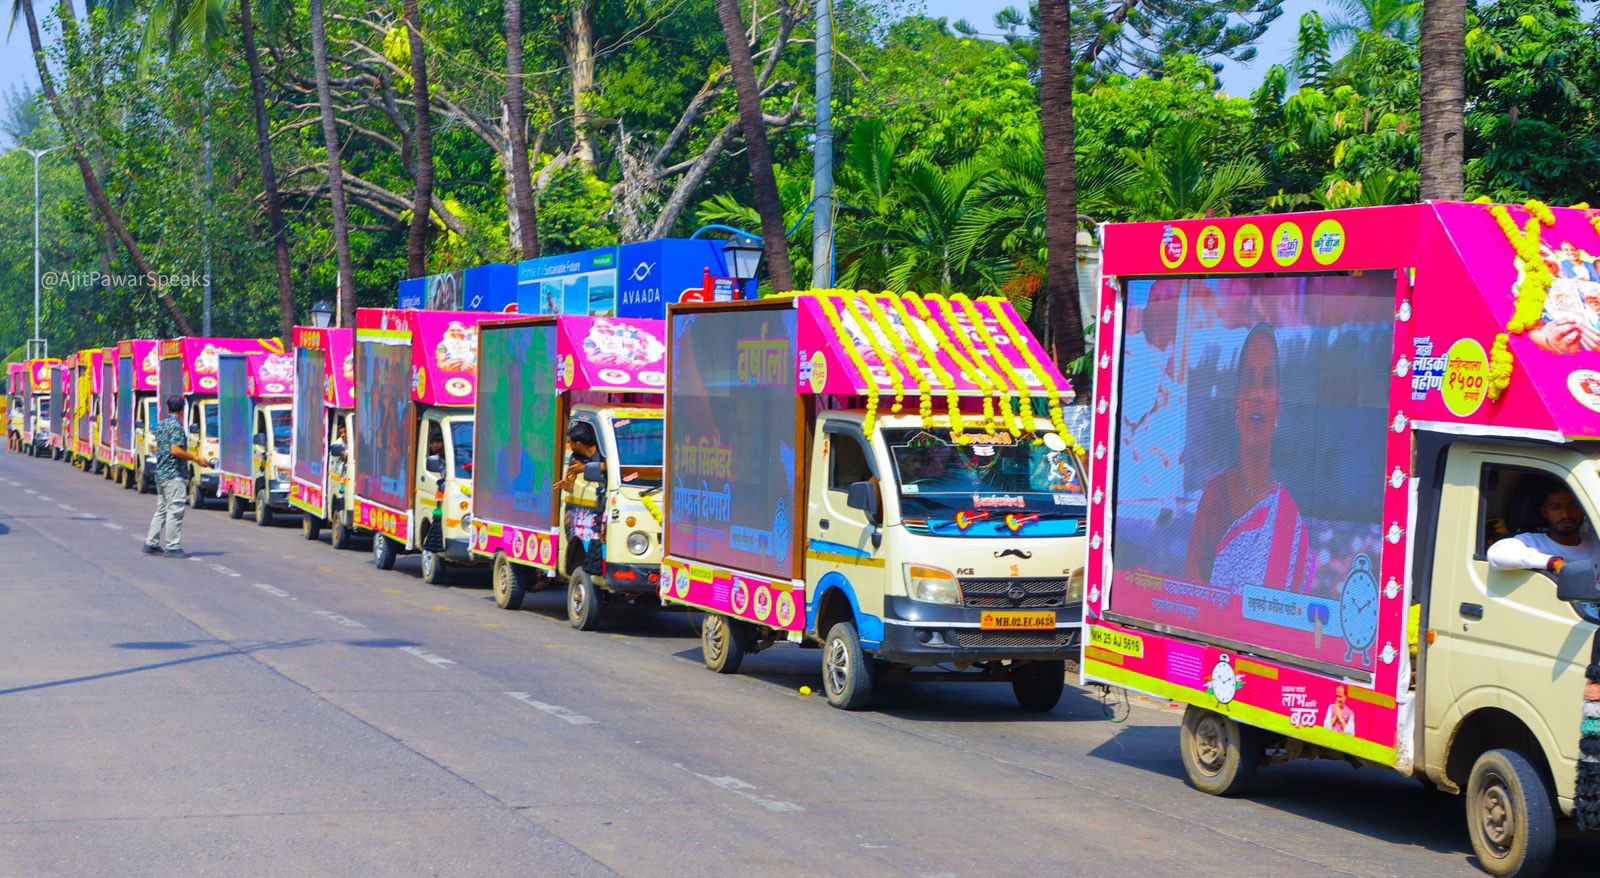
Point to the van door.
(838, 538)
(1503, 639)
(427, 485)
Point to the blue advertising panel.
(491, 288)
(413, 292)
(655, 274)
(577, 284)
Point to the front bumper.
(633, 579)
(278, 496)
(208, 483)
(920, 634)
(458, 550)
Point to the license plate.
(1018, 622)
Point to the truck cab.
(610, 547)
(270, 460)
(341, 488)
(443, 510)
(147, 413)
(202, 429)
(37, 434)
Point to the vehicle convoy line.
(646, 724)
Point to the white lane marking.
(47, 499)
(111, 525)
(68, 508)
(346, 621)
(30, 491)
(223, 570)
(742, 789)
(85, 517)
(274, 590)
(554, 710)
(437, 661)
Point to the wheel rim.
(502, 585)
(575, 598)
(428, 563)
(377, 548)
(714, 647)
(837, 666)
(1210, 745)
(1497, 815)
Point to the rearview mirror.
(864, 496)
(336, 450)
(435, 463)
(261, 440)
(1576, 582)
(594, 471)
(194, 429)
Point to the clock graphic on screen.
(1358, 611)
(1225, 682)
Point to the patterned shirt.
(168, 432)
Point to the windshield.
(150, 417)
(640, 445)
(281, 432)
(461, 443)
(208, 410)
(993, 489)
(44, 407)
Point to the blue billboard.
(578, 284)
(490, 287)
(632, 280)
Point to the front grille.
(996, 593)
(972, 637)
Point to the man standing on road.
(171, 463)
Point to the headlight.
(638, 542)
(213, 463)
(1075, 588)
(466, 520)
(932, 585)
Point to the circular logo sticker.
(1466, 378)
(1210, 246)
(785, 609)
(1248, 245)
(546, 546)
(1327, 242)
(683, 582)
(613, 376)
(1584, 384)
(763, 603)
(565, 376)
(517, 544)
(458, 387)
(740, 596)
(1174, 246)
(276, 388)
(1287, 242)
(654, 379)
(819, 372)
(208, 383)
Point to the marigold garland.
(930, 356)
(856, 359)
(1007, 368)
(1004, 394)
(972, 373)
(1500, 365)
(849, 298)
(1058, 418)
(1531, 291)
(882, 319)
(653, 508)
(902, 355)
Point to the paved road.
(274, 707)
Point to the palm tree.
(200, 22)
(1175, 178)
(1444, 64)
(1396, 20)
(422, 197)
(1060, 320)
(91, 180)
(759, 152)
(330, 137)
(522, 207)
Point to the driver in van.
(1564, 539)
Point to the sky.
(16, 59)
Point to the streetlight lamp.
(36, 345)
(743, 254)
(322, 315)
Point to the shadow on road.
(222, 653)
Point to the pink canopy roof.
(146, 363)
(611, 354)
(444, 349)
(271, 376)
(339, 390)
(199, 357)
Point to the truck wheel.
(310, 526)
(235, 507)
(1220, 755)
(434, 569)
(1510, 815)
(383, 552)
(510, 583)
(341, 532)
(1038, 685)
(722, 643)
(197, 497)
(583, 601)
(129, 480)
(846, 673)
(263, 511)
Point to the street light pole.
(37, 154)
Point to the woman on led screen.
(1248, 530)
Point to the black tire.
(130, 480)
(434, 569)
(846, 671)
(1510, 816)
(723, 641)
(583, 601)
(197, 497)
(310, 526)
(263, 511)
(1038, 685)
(235, 507)
(510, 582)
(1220, 755)
(384, 552)
(342, 535)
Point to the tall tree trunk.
(330, 136)
(1062, 321)
(91, 180)
(526, 220)
(768, 204)
(269, 175)
(1444, 89)
(580, 60)
(422, 199)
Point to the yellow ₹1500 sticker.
(1117, 641)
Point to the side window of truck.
(1510, 500)
(847, 462)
